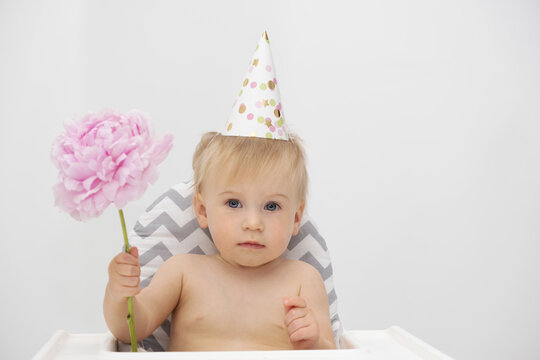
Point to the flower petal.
(162, 148)
(79, 171)
(105, 157)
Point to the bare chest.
(245, 313)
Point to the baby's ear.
(298, 217)
(200, 210)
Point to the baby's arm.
(306, 316)
(151, 306)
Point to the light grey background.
(421, 122)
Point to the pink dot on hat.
(272, 128)
(268, 68)
(250, 116)
(258, 104)
(253, 84)
(278, 106)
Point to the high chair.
(169, 227)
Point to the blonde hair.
(250, 156)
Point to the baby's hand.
(301, 323)
(124, 272)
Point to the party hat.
(257, 110)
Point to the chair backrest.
(169, 227)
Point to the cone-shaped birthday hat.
(257, 110)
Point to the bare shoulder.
(179, 264)
(182, 261)
(304, 271)
(171, 274)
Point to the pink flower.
(105, 157)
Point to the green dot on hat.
(262, 86)
(272, 102)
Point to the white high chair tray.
(391, 344)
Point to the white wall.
(421, 120)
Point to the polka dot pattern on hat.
(257, 110)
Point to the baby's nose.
(253, 221)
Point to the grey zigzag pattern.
(326, 272)
(165, 220)
(305, 230)
(151, 343)
(157, 250)
(182, 202)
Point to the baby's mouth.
(251, 245)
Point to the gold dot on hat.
(277, 113)
(246, 82)
(242, 108)
(255, 62)
(271, 84)
(229, 127)
(265, 102)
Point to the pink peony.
(105, 157)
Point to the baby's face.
(251, 221)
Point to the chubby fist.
(124, 272)
(301, 323)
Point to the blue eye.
(233, 203)
(271, 206)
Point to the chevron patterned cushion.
(169, 227)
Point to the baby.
(250, 193)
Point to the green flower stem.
(129, 319)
